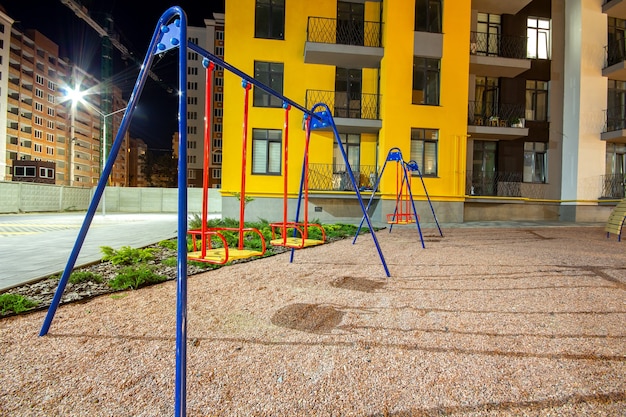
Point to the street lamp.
(104, 148)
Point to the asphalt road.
(33, 246)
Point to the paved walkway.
(33, 246)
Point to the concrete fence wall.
(24, 197)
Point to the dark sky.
(154, 120)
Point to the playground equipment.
(210, 237)
(171, 34)
(300, 230)
(404, 212)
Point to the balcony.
(613, 186)
(615, 8)
(615, 60)
(492, 121)
(329, 177)
(502, 184)
(497, 55)
(499, 7)
(342, 43)
(355, 114)
(614, 129)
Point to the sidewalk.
(33, 246)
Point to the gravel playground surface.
(482, 322)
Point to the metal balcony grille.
(344, 32)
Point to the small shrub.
(84, 276)
(16, 303)
(134, 277)
(171, 261)
(126, 255)
(169, 244)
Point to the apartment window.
(425, 81)
(216, 158)
(270, 74)
(38, 147)
(51, 98)
(216, 174)
(616, 159)
(536, 100)
(488, 29)
(538, 38)
(23, 171)
(428, 16)
(49, 150)
(266, 151)
(46, 172)
(49, 137)
(535, 162)
(616, 105)
(269, 19)
(52, 86)
(39, 92)
(38, 134)
(424, 144)
(219, 50)
(38, 107)
(217, 143)
(39, 80)
(352, 147)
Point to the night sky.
(154, 120)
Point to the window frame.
(424, 66)
(420, 135)
(274, 28)
(271, 74)
(432, 23)
(535, 155)
(270, 138)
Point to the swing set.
(171, 34)
(404, 212)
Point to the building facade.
(210, 38)
(512, 110)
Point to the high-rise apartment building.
(40, 122)
(511, 109)
(210, 38)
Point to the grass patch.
(15, 303)
(134, 277)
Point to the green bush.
(134, 277)
(126, 255)
(84, 276)
(16, 303)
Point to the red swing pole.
(287, 107)
(305, 229)
(242, 196)
(207, 152)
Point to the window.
(425, 81)
(536, 100)
(424, 150)
(428, 16)
(23, 171)
(49, 150)
(269, 19)
(535, 162)
(266, 151)
(538, 35)
(488, 29)
(46, 172)
(352, 146)
(38, 147)
(216, 174)
(216, 158)
(616, 105)
(270, 74)
(616, 159)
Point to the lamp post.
(104, 148)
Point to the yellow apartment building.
(473, 91)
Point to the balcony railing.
(489, 44)
(360, 106)
(614, 53)
(329, 177)
(614, 119)
(613, 186)
(502, 184)
(486, 113)
(344, 32)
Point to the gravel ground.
(482, 322)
